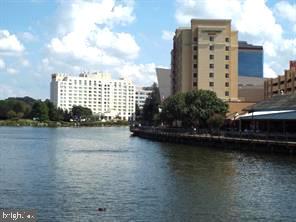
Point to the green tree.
(79, 112)
(11, 114)
(200, 105)
(173, 109)
(151, 106)
(193, 108)
(39, 111)
(138, 113)
(215, 121)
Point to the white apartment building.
(105, 96)
(142, 93)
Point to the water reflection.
(67, 173)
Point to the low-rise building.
(284, 84)
(105, 96)
(250, 89)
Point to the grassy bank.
(33, 123)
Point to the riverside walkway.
(227, 140)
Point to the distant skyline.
(124, 37)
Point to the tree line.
(198, 108)
(29, 108)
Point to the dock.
(218, 141)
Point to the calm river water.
(67, 173)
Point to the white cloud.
(99, 46)
(141, 74)
(167, 35)
(86, 40)
(2, 64)
(286, 10)
(87, 32)
(25, 62)
(268, 72)
(11, 71)
(255, 21)
(8, 91)
(9, 44)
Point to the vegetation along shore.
(26, 111)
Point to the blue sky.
(125, 37)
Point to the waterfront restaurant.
(274, 115)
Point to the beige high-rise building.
(205, 56)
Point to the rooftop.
(275, 103)
(246, 45)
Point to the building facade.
(164, 82)
(142, 93)
(250, 60)
(205, 56)
(106, 97)
(250, 89)
(284, 84)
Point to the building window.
(211, 38)
(194, 83)
(211, 66)
(195, 39)
(211, 83)
(211, 47)
(226, 57)
(211, 75)
(226, 48)
(195, 57)
(226, 66)
(226, 93)
(227, 84)
(195, 74)
(195, 48)
(226, 39)
(227, 75)
(195, 66)
(211, 56)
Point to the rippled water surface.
(67, 173)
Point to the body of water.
(66, 174)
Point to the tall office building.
(205, 56)
(250, 60)
(97, 91)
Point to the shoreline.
(55, 124)
(220, 142)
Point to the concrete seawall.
(222, 142)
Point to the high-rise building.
(106, 97)
(284, 84)
(164, 82)
(205, 56)
(142, 93)
(250, 60)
